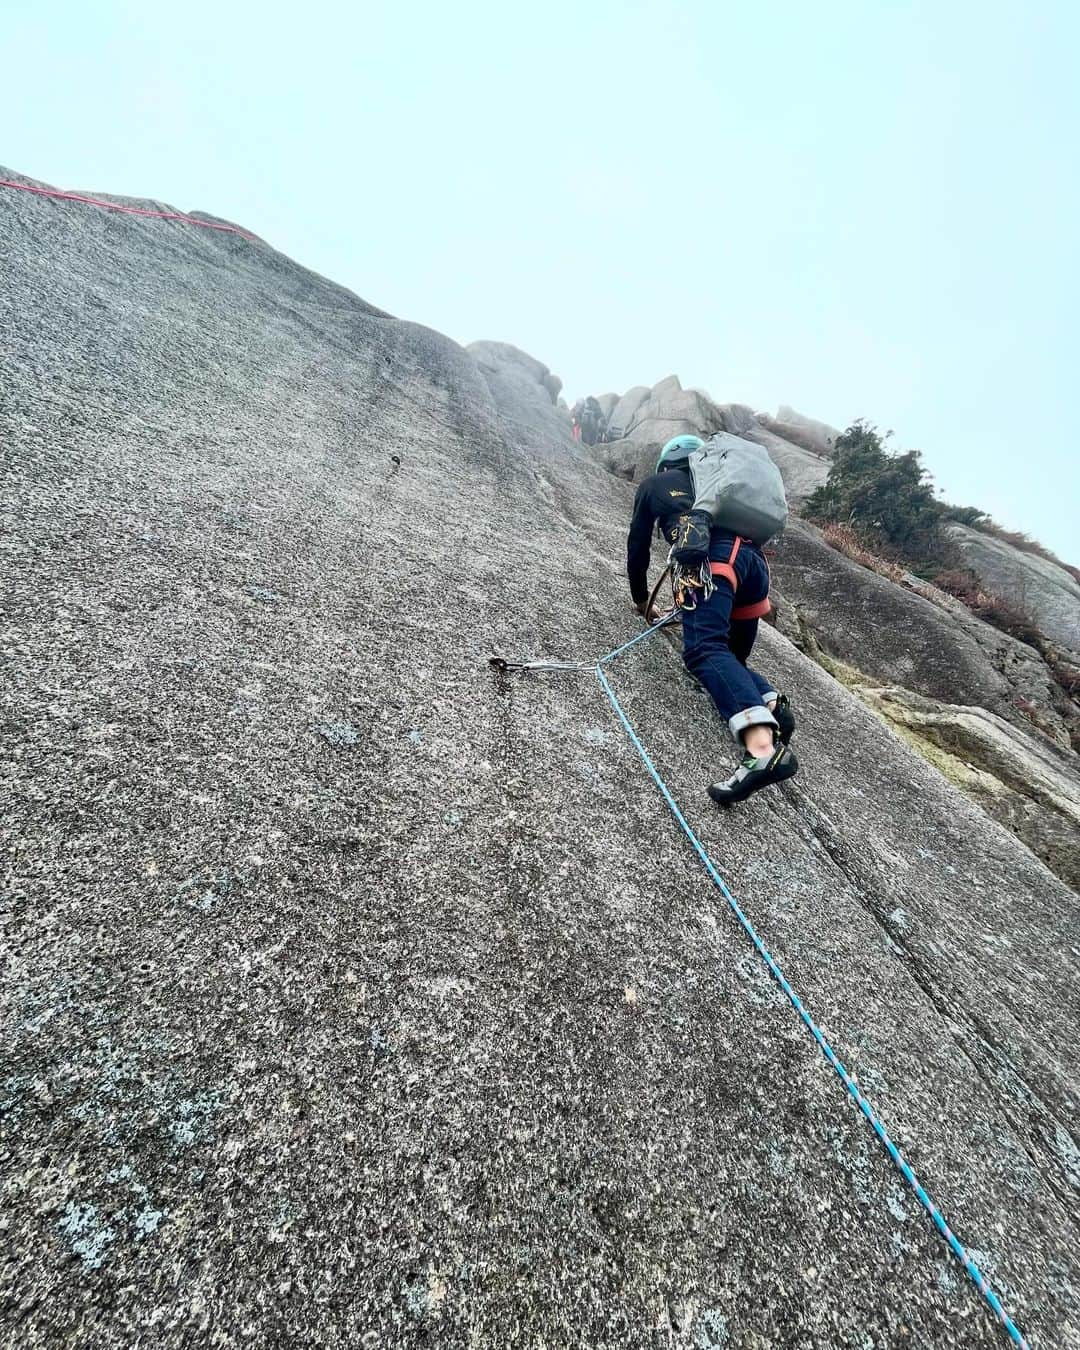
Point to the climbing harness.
(727, 571)
(687, 581)
(597, 668)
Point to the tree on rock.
(887, 499)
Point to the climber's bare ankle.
(758, 741)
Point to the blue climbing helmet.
(679, 447)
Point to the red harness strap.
(757, 611)
(727, 571)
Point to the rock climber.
(591, 421)
(719, 633)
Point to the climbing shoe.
(785, 719)
(754, 774)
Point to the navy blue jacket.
(660, 499)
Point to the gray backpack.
(737, 488)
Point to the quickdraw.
(690, 586)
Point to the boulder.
(518, 381)
(807, 431)
(607, 404)
(1042, 589)
(629, 458)
(622, 414)
(665, 388)
(738, 418)
(674, 412)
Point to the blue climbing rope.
(826, 1049)
(955, 1245)
(653, 628)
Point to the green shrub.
(887, 499)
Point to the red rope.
(129, 210)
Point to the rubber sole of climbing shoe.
(785, 719)
(747, 780)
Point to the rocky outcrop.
(915, 636)
(805, 431)
(649, 417)
(629, 459)
(738, 418)
(1010, 774)
(356, 994)
(523, 388)
(1006, 745)
(622, 415)
(670, 410)
(1046, 592)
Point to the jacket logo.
(674, 492)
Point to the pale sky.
(862, 208)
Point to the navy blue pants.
(716, 647)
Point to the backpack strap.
(727, 571)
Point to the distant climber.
(592, 421)
(575, 419)
(719, 633)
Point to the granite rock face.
(983, 707)
(357, 995)
(1009, 772)
(738, 418)
(915, 636)
(1045, 591)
